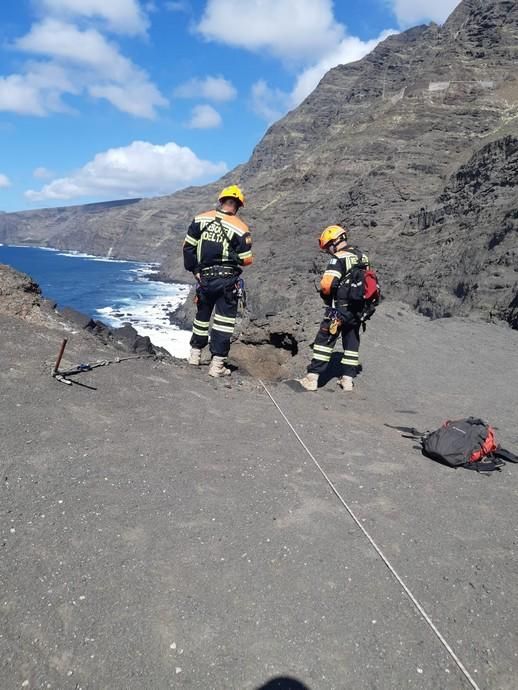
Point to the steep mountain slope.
(468, 241)
(421, 129)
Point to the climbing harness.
(219, 272)
(241, 294)
(378, 550)
(336, 320)
(62, 376)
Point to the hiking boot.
(309, 382)
(195, 357)
(217, 367)
(346, 383)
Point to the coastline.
(147, 301)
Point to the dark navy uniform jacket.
(215, 238)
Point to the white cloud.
(304, 32)
(291, 29)
(79, 60)
(89, 48)
(411, 12)
(18, 95)
(271, 104)
(124, 16)
(42, 173)
(204, 117)
(4, 181)
(38, 91)
(140, 169)
(139, 98)
(209, 88)
(350, 49)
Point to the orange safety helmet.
(232, 192)
(332, 234)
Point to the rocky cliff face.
(413, 148)
(19, 294)
(468, 241)
(21, 297)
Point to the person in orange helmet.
(343, 316)
(216, 246)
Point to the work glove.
(327, 299)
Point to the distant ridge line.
(107, 204)
(92, 206)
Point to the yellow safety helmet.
(232, 192)
(332, 234)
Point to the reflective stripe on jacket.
(339, 265)
(215, 238)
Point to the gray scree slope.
(163, 530)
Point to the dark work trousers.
(220, 295)
(324, 345)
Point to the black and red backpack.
(469, 443)
(359, 288)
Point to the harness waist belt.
(344, 306)
(219, 271)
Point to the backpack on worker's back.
(469, 443)
(359, 288)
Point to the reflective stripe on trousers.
(324, 345)
(218, 295)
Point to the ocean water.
(112, 291)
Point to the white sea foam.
(81, 255)
(108, 259)
(174, 340)
(73, 254)
(43, 249)
(149, 312)
(149, 315)
(32, 246)
(145, 270)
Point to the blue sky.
(107, 99)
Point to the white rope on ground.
(380, 553)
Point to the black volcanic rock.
(20, 296)
(410, 144)
(468, 241)
(77, 318)
(125, 337)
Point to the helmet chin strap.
(333, 246)
(231, 211)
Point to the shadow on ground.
(283, 683)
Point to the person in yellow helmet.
(216, 246)
(346, 310)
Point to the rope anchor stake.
(62, 376)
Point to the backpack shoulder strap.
(338, 263)
(360, 256)
(345, 262)
(505, 455)
(489, 464)
(232, 252)
(415, 434)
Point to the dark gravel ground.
(168, 531)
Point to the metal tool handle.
(60, 356)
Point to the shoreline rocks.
(21, 296)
